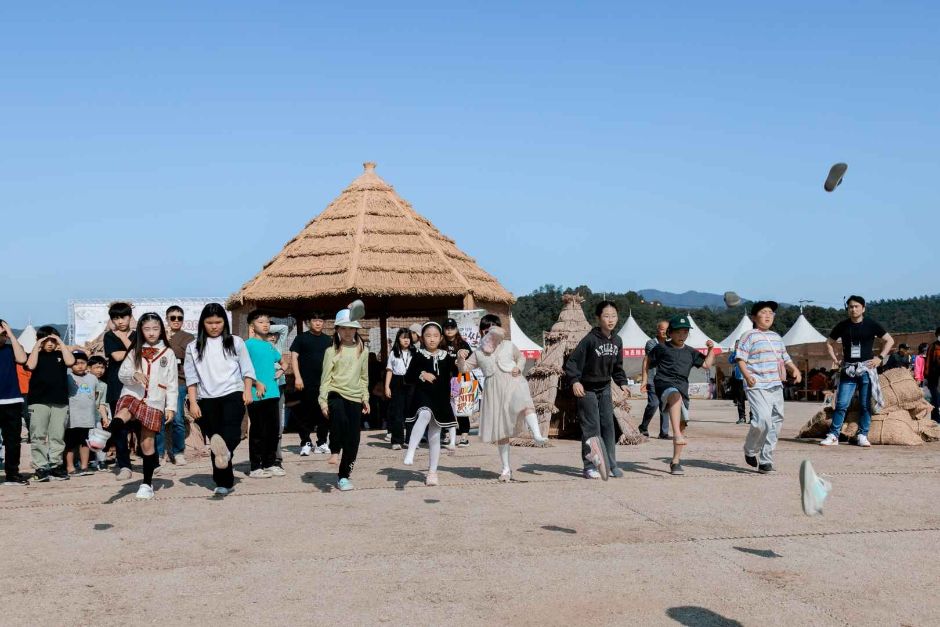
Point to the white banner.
(90, 319)
(468, 323)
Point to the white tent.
(745, 325)
(697, 339)
(802, 332)
(528, 348)
(27, 338)
(634, 340)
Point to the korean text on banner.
(468, 323)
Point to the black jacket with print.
(596, 361)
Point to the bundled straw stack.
(904, 420)
(551, 398)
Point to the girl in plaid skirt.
(149, 375)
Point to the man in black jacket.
(597, 359)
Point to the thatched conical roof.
(369, 242)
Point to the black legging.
(308, 417)
(11, 426)
(263, 432)
(223, 416)
(345, 426)
(397, 405)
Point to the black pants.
(308, 417)
(118, 439)
(739, 395)
(223, 416)
(397, 405)
(346, 425)
(263, 432)
(652, 406)
(11, 426)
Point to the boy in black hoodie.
(597, 359)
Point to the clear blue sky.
(160, 149)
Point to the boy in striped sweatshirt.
(763, 360)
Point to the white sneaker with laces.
(276, 471)
(830, 440)
(259, 473)
(306, 449)
(323, 449)
(144, 492)
(862, 440)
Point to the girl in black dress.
(430, 372)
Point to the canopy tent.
(745, 325)
(528, 348)
(634, 340)
(697, 338)
(27, 338)
(370, 244)
(802, 332)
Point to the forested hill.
(536, 312)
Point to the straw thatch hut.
(554, 404)
(369, 243)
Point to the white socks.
(434, 445)
(417, 432)
(504, 456)
(532, 421)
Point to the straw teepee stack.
(545, 377)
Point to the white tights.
(425, 421)
(532, 421)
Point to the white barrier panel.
(90, 318)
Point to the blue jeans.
(176, 429)
(847, 386)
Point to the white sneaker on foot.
(830, 440)
(306, 449)
(323, 449)
(862, 440)
(220, 491)
(220, 449)
(144, 492)
(388, 437)
(396, 447)
(276, 471)
(259, 473)
(179, 459)
(123, 474)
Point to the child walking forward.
(148, 374)
(344, 393)
(264, 411)
(763, 361)
(596, 360)
(673, 362)
(506, 397)
(430, 372)
(396, 390)
(219, 378)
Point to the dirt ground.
(720, 546)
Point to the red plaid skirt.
(149, 417)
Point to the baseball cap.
(761, 304)
(679, 322)
(450, 324)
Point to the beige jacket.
(163, 390)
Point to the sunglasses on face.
(175, 318)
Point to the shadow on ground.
(695, 616)
(710, 465)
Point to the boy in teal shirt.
(263, 412)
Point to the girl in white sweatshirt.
(219, 378)
(150, 391)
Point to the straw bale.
(897, 427)
(899, 385)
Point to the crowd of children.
(135, 396)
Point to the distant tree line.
(538, 311)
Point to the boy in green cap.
(673, 362)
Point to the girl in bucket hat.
(674, 361)
(344, 392)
